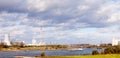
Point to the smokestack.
(6, 40)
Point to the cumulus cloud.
(59, 19)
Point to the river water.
(11, 54)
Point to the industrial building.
(34, 42)
(115, 42)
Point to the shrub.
(117, 49)
(42, 54)
(102, 52)
(112, 50)
(5, 46)
(109, 50)
(95, 52)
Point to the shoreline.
(29, 49)
(76, 56)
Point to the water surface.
(11, 54)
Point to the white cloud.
(83, 7)
(115, 17)
(37, 5)
(59, 19)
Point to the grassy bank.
(88, 56)
(47, 47)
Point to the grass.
(88, 56)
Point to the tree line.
(108, 50)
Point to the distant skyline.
(60, 21)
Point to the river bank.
(31, 48)
(86, 56)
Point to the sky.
(60, 21)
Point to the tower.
(41, 37)
(6, 40)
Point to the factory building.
(115, 42)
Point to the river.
(11, 54)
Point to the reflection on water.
(11, 54)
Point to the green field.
(88, 56)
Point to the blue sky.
(62, 22)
